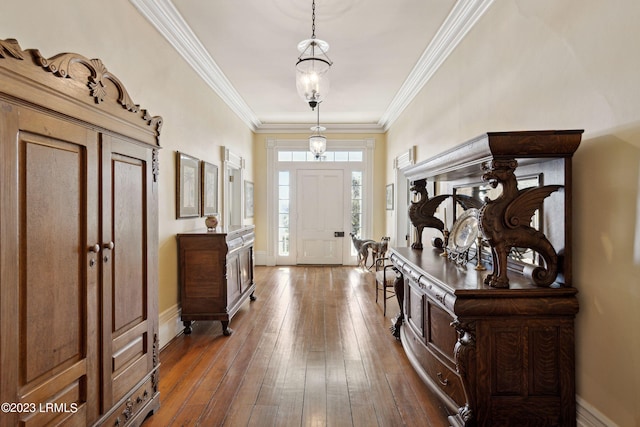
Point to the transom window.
(329, 156)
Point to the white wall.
(548, 64)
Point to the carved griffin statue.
(505, 223)
(422, 212)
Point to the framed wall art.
(209, 194)
(187, 186)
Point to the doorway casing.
(232, 189)
(273, 145)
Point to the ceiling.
(383, 52)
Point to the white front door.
(320, 195)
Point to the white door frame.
(232, 188)
(273, 145)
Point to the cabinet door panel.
(246, 269)
(129, 259)
(415, 308)
(202, 277)
(441, 334)
(49, 303)
(128, 333)
(233, 279)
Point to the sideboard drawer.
(440, 374)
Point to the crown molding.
(163, 15)
(330, 128)
(463, 17)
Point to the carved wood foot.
(396, 322)
(187, 327)
(252, 297)
(226, 330)
(496, 282)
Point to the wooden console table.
(215, 274)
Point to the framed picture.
(248, 199)
(209, 194)
(187, 186)
(389, 197)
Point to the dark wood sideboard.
(215, 274)
(496, 355)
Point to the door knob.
(93, 249)
(109, 246)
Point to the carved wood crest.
(60, 65)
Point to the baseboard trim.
(170, 325)
(261, 258)
(588, 416)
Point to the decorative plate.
(464, 231)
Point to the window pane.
(283, 192)
(356, 179)
(356, 193)
(283, 178)
(356, 206)
(299, 156)
(283, 220)
(283, 207)
(342, 156)
(283, 241)
(284, 156)
(355, 156)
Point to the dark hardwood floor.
(313, 350)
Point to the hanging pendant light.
(317, 141)
(313, 64)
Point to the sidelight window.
(284, 203)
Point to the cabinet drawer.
(441, 375)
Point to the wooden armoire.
(79, 241)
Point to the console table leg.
(252, 297)
(398, 287)
(226, 330)
(187, 327)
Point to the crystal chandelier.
(317, 141)
(313, 64)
